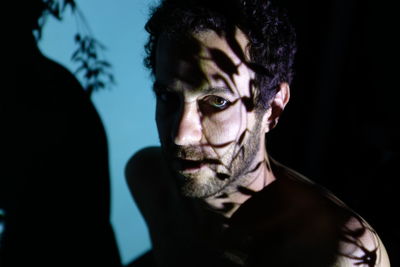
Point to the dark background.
(340, 127)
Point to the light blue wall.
(127, 110)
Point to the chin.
(200, 185)
(193, 190)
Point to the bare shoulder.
(361, 246)
(146, 176)
(144, 162)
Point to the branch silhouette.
(93, 69)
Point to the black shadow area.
(55, 184)
(341, 125)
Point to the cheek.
(225, 126)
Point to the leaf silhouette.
(233, 44)
(257, 68)
(223, 61)
(246, 191)
(222, 176)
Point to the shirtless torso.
(291, 222)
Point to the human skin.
(205, 118)
(201, 134)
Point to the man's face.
(209, 131)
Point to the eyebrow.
(158, 86)
(217, 89)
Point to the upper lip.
(189, 163)
(188, 159)
(198, 161)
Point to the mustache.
(192, 153)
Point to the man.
(211, 195)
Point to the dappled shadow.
(291, 222)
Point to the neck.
(228, 202)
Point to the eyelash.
(211, 100)
(209, 104)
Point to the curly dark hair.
(272, 39)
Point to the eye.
(213, 104)
(217, 102)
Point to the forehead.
(201, 58)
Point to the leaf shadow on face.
(281, 225)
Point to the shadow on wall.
(54, 190)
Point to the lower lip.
(195, 169)
(190, 169)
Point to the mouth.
(185, 165)
(193, 165)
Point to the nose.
(188, 130)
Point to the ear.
(276, 106)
